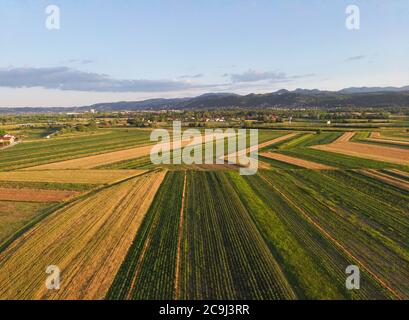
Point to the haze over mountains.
(299, 98)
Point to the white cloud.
(64, 78)
(255, 76)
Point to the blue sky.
(108, 50)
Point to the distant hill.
(299, 98)
(373, 89)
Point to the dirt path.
(36, 195)
(259, 146)
(397, 142)
(386, 178)
(181, 224)
(296, 161)
(337, 243)
(399, 172)
(376, 137)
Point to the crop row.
(372, 231)
(148, 271)
(29, 154)
(314, 266)
(224, 256)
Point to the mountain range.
(358, 97)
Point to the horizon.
(211, 93)
(102, 53)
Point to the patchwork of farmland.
(127, 229)
(33, 153)
(305, 227)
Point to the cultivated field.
(88, 240)
(35, 195)
(295, 161)
(70, 176)
(120, 227)
(374, 152)
(33, 153)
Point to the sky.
(110, 50)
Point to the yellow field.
(87, 240)
(70, 176)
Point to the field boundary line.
(336, 242)
(178, 254)
(302, 163)
(260, 146)
(380, 176)
(138, 268)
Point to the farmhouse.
(7, 139)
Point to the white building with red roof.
(7, 139)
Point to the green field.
(224, 255)
(27, 154)
(145, 162)
(281, 234)
(284, 233)
(148, 271)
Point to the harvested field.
(70, 176)
(87, 240)
(296, 161)
(35, 195)
(368, 151)
(345, 137)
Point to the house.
(7, 139)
